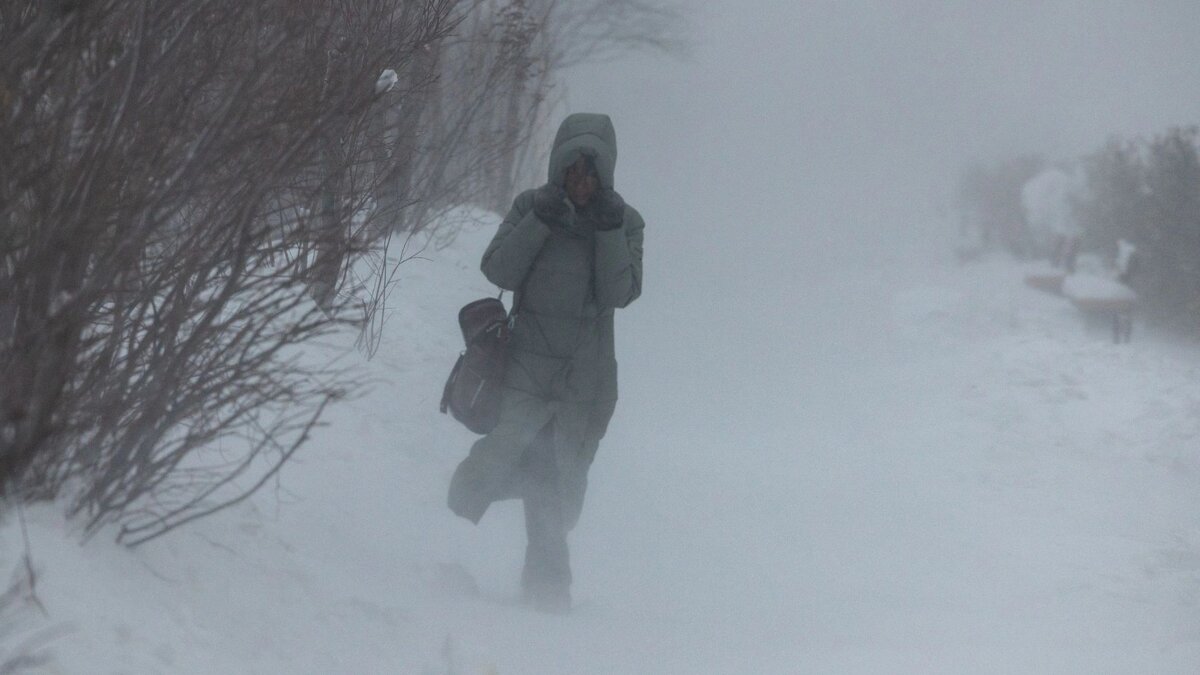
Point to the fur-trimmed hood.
(590, 134)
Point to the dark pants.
(547, 560)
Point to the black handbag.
(472, 392)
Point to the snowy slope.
(949, 473)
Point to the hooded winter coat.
(569, 273)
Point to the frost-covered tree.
(1048, 201)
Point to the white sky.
(793, 171)
(854, 110)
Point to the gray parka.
(568, 278)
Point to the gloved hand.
(550, 204)
(610, 210)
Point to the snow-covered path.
(942, 471)
(957, 478)
(836, 450)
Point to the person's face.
(581, 182)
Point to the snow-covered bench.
(1100, 296)
(1049, 280)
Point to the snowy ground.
(927, 469)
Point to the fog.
(836, 449)
(791, 446)
(803, 156)
(845, 117)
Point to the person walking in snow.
(571, 251)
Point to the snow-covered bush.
(1148, 193)
(1049, 203)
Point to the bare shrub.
(182, 178)
(468, 106)
(20, 650)
(23, 647)
(605, 30)
(185, 189)
(468, 123)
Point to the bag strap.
(518, 295)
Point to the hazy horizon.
(860, 111)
